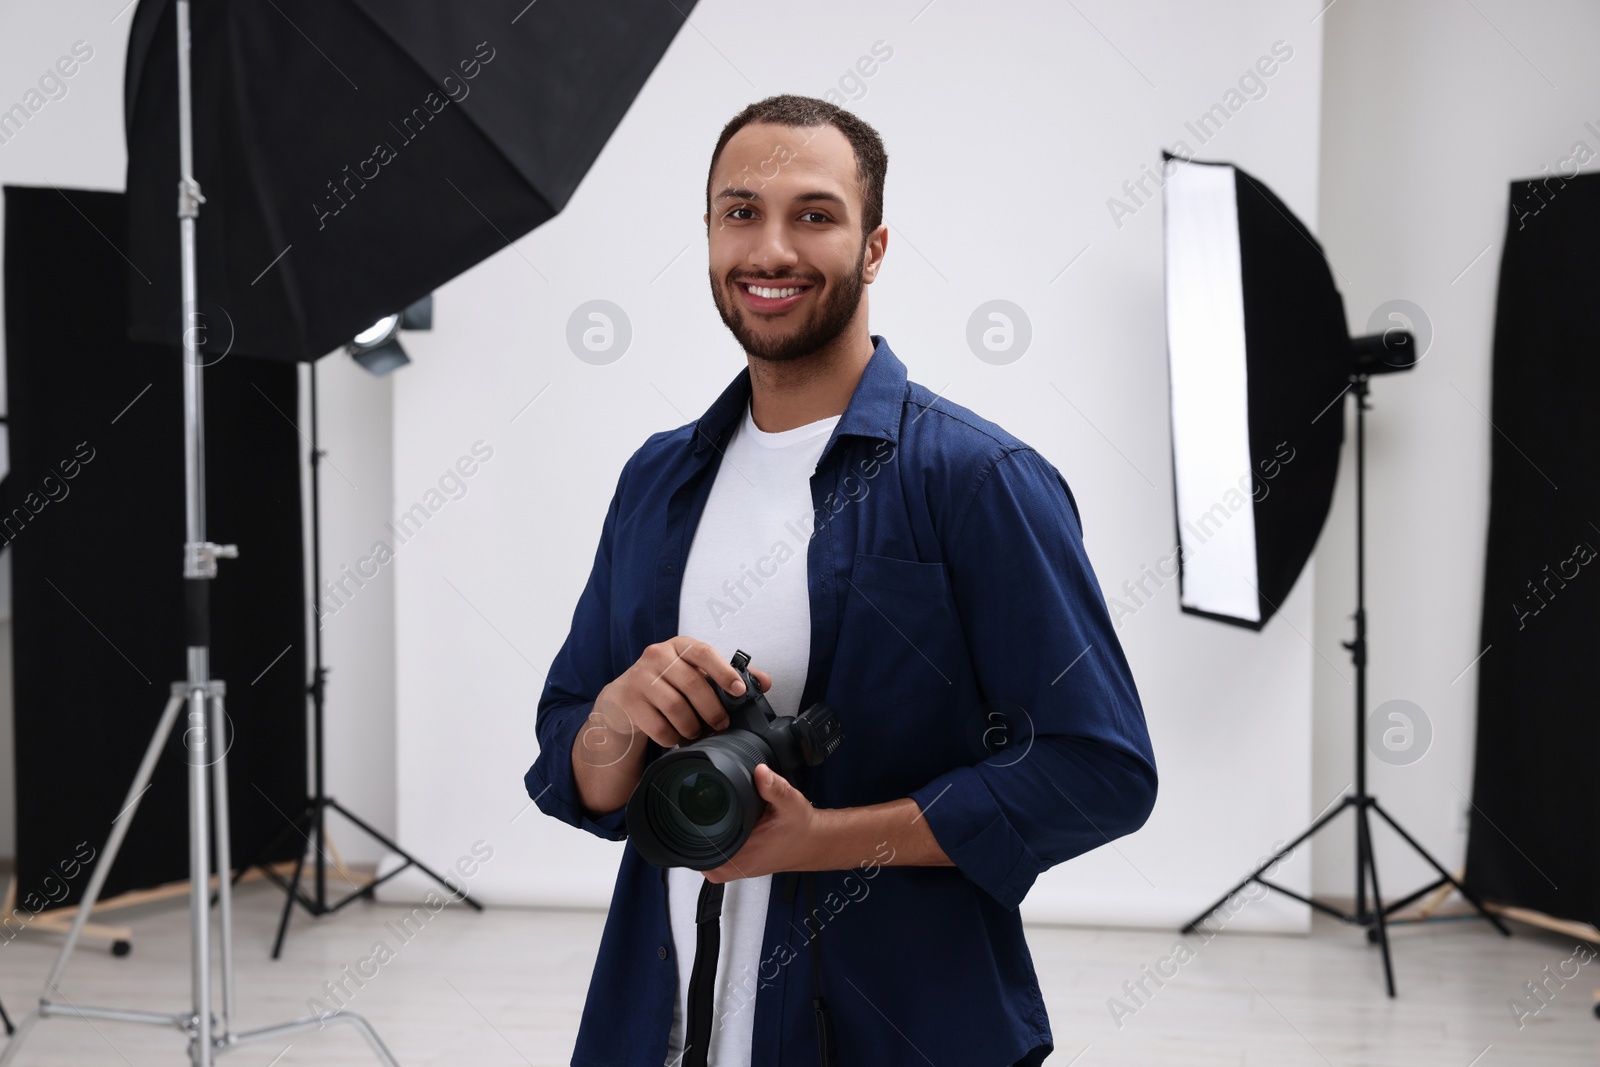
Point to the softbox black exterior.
(357, 154)
(93, 517)
(1535, 795)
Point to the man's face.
(786, 218)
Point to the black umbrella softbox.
(355, 155)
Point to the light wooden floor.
(506, 988)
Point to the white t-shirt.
(744, 587)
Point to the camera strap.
(703, 979)
(829, 1055)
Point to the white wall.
(1431, 109)
(1008, 129)
(356, 431)
(76, 141)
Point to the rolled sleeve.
(551, 782)
(1077, 770)
(974, 833)
(582, 667)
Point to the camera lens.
(692, 811)
(703, 798)
(696, 805)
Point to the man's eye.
(820, 216)
(736, 210)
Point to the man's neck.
(817, 386)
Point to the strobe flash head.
(696, 805)
(1383, 353)
(377, 348)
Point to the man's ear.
(706, 218)
(876, 246)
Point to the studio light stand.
(204, 742)
(1369, 358)
(310, 821)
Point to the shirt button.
(661, 953)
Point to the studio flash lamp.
(377, 348)
(1260, 360)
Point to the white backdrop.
(1009, 134)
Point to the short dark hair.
(802, 112)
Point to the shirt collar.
(873, 411)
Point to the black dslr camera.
(696, 805)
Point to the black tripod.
(1375, 918)
(309, 821)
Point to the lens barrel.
(696, 805)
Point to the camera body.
(696, 805)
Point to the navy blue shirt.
(959, 633)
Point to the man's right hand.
(667, 696)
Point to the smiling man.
(882, 549)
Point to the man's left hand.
(787, 837)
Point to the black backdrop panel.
(1536, 793)
(93, 515)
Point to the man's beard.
(827, 322)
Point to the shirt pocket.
(899, 637)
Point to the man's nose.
(775, 249)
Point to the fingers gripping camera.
(696, 805)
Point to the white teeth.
(771, 294)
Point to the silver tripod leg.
(195, 747)
(227, 1038)
(205, 745)
(317, 1022)
(102, 868)
(219, 782)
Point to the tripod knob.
(200, 558)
